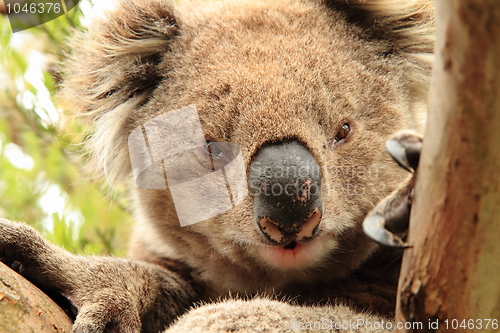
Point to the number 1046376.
(477, 324)
(33, 8)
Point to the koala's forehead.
(284, 58)
(252, 43)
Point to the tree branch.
(452, 270)
(26, 309)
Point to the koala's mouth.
(293, 255)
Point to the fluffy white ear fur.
(113, 71)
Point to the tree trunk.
(452, 272)
(26, 309)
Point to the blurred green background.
(42, 176)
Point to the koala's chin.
(295, 255)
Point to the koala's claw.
(398, 153)
(392, 214)
(405, 149)
(16, 266)
(374, 226)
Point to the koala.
(317, 86)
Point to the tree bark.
(26, 309)
(452, 272)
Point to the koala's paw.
(25, 251)
(391, 215)
(106, 294)
(94, 286)
(107, 310)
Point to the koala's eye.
(342, 133)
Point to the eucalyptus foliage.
(42, 176)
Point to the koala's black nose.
(285, 181)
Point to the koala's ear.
(117, 57)
(407, 24)
(112, 70)
(406, 29)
